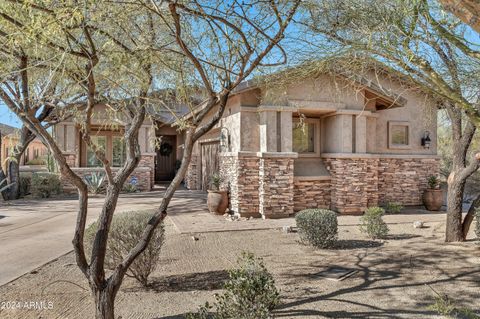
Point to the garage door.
(210, 164)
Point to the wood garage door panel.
(210, 164)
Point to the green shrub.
(250, 293)
(25, 184)
(44, 185)
(477, 226)
(372, 223)
(317, 227)
(125, 231)
(393, 208)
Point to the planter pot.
(433, 199)
(217, 202)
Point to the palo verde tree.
(118, 54)
(427, 46)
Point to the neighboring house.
(320, 141)
(35, 153)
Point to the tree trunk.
(104, 303)
(454, 231)
(467, 222)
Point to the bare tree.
(213, 45)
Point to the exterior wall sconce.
(224, 140)
(426, 141)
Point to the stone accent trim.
(148, 160)
(240, 176)
(311, 193)
(276, 187)
(191, 179)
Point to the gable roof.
(7, 129)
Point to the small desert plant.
(125, 231)
(215, 181)
(95, 182)
(477, 219)
(250, 293)
(433, 182)
(444, 306)
(44, 185)
(51, 165)
(393, 208)
(317, 227)
(25, 184)
(129, 188)
(372, 223)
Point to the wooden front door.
(210, 164)
(165, 159)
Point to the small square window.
(398, 135)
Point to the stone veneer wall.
(405, 180)
(354, 183)
(311, 193)
(276, 187)
(191, 176)
(358, 183)
(148, 160)
(246, 201)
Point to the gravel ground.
(395, 277)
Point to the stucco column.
(360, 134)
(268, 130)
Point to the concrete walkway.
(34, 232)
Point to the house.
(323, 140)
(35, 154)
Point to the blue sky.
(7, 117)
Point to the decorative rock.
(417, 224)
(195, 238)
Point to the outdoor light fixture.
(426, 141)
(224, 140)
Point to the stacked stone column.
(276, 187)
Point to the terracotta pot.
(433, 199)
(217, 202)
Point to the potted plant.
(433, 195)
(217, 199)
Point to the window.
(118, 151)
(304, 136)
(398, 134)
(100, 142)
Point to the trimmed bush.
(372, 223)
(250, 293)
(393, 208)
(317, 227)
(25, 184)
(44, 185)
(125, 231)
(477, 226)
